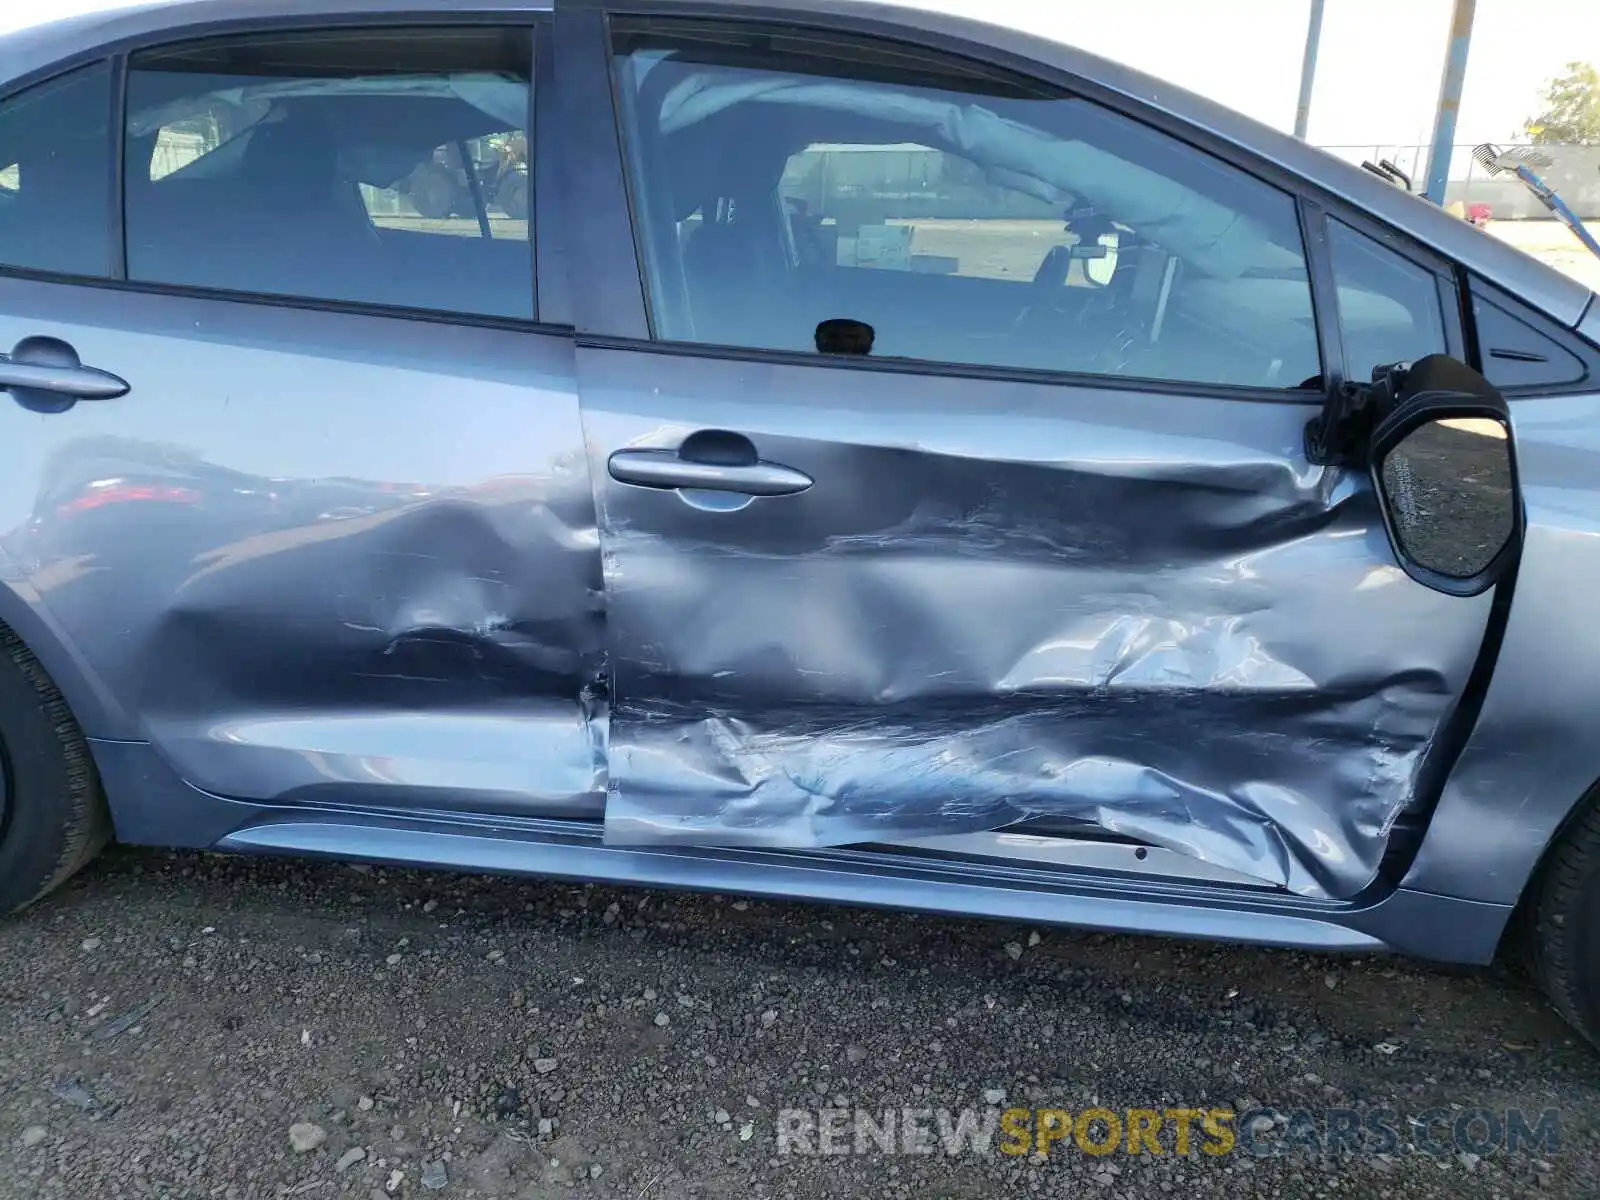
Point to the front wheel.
(432, 188)
(1563, 930)
(53, 819)
(512, 195)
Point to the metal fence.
(1574, 173)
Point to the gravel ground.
(198, 1025)
(1551, 242)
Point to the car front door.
(302, 480)
(955, 481)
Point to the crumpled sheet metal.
(446, 651)
(824, 778)
(1177, 638)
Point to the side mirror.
(1444, 468)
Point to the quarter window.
(1389, 310)
(382, 168)
(55, 175)
(817, 196)
(1516, 352)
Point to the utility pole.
(1308, 70)
(1444, 121)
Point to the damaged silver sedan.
(802, 450)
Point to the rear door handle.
(668, 469)
(45, 374)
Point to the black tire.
(512, 195)
(433, 190)
(1562, 937)
(53, 818)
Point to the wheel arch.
(1514, 938)
(23, 617)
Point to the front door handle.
(710, 461)
(45, 374)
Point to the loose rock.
(349, 1158)
(305, 1137)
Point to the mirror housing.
(1443, 467)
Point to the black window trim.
(1026, 71)
(552, 300)
(119, 165)
(116, 54)
(593, 160)
(1324, 293)
(928, 368)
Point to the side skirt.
(154, 807)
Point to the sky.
(1378, 72)
(1378, 69)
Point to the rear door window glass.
(378, 167)
(55, 175)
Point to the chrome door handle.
(666, 469)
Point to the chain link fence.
(1574, 173)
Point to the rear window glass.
(55, 175)
(378, 167)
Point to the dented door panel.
(1005, 600)
(316, 556)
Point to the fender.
(1532, 756)
(23, 612)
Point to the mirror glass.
(1096, 258)
(1448, 490)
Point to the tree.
(1571, 113)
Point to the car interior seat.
(735, 271)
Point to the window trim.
(925, 368)
(603, 233)
(1324, 293)
(119, 158)
(537, 23)
(357, 308)
(230, 26)
(552, 290)
(1027, 74)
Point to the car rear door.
(947, 527)
(302, 484)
